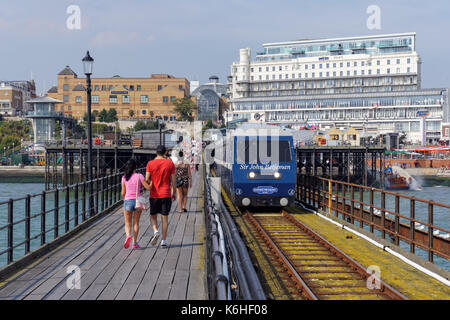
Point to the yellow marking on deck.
(411, 282)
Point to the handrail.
(56, 211)
(382, 210)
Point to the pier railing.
(405, 220)
(30, 222)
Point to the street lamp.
(88, 65)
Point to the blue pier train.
(259, 166)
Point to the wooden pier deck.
(110, 272)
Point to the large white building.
(370, 83)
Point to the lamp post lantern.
(88, 65)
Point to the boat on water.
(394, 181)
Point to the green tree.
(185, 107)
(152, 114)
(103, 116)
(13, 132)
(131, 113)
(111, 116)
(147, 125)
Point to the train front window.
(260, 151)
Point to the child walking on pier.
(131, 186)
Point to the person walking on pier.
(184, 181)
(161, 173)
(131, 186)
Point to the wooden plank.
(164, 284)
(44, 270)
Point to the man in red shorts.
(161, 172)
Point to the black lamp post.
(88, 65)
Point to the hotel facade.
(142, 98)
(372, 84)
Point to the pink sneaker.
(135, 246)
(127, 242)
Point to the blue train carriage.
(260, 174)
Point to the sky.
(198, 38)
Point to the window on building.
(143, 112)
(348, 64)
(144, 99)
(363, 63)
(388, 71)
(159, 87)
(389, 62)
(355, 63)
(94, 99)
(328, 65)
(409, 60)
(409, 69)
(341, 64)
(96, 88)
(398, 61)
(378, 62)
(78, 99)
(251, 70)
(62, 108)
(165, 99)
(320, 66)
(66, 98)
(306, 67)
(172, 98)
(378, 71)
(260, 69)
(69, 108)
(313, 66)
(103, 87)
(334, 65)
(280, 68)
(66, 87)
(125, 99)
(138, 87)
(112, 99)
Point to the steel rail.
(385, 288)
(300, 283)
(319, 244)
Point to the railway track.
(310, 266)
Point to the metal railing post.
(67, 210)
(27, 223)
(43, 196)
(76, 205)
(430, 231)
(10, 230)
(56, 214)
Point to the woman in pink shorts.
(131, 182)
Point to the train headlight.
(284, 202)
(277, 175)
(252, 175)
(246, 202)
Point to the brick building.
(139, 97)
